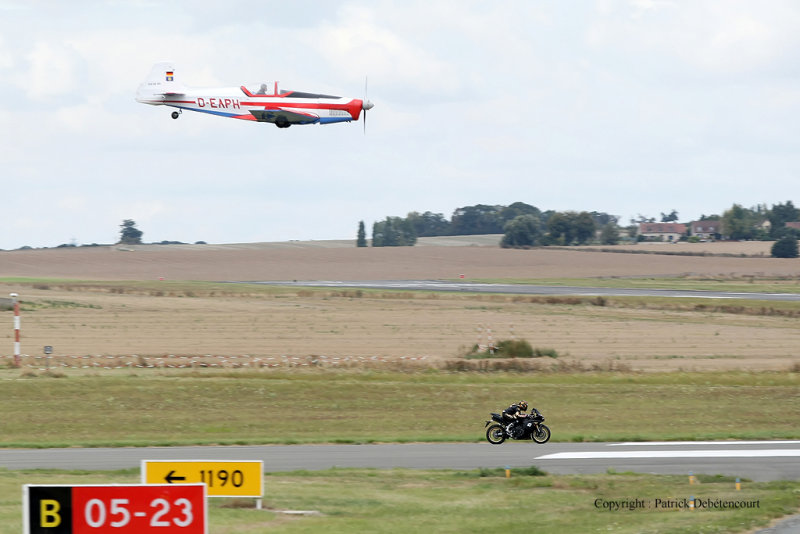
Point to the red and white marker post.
(15, 303)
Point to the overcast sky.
(623, 106)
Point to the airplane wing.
(285, 116)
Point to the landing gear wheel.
(175, 114)
(495, 434)
(542, 435)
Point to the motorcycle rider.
(514, 413)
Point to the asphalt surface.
(525, 289)
(759, 461)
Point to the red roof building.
(662, 231)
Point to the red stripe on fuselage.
(353, 107)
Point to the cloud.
(6, 57)
(734, 38)
(52, 71)
(360, 42)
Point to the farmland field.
(151, 303)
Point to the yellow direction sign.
(222, 478)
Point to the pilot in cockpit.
(262, 90)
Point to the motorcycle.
(531, 427)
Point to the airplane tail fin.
(162, 80)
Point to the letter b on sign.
(49, 513)
(49, 509)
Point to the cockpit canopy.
(271, 89)
(258, 89)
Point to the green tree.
(477, 219)
(506, 214)
(428, 224)
(559, 228)
(785, 247)
(779, 215)
(583, 227)
(739, 223)
(569, 227)
(521, 231)
(609, 235)
(361, 240)
(377, 234)
(393, 232)
(129, 234)
(669, 217)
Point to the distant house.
(795, 225)
(670, 232)
(706, 229)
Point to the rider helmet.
(522, 405)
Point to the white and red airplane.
(261, 102)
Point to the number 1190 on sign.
(118, 509)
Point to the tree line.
(524, 225)
(748, 223)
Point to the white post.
(15, 303)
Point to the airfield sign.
(224, 478)
(118, 509)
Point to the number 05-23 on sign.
(121, 509)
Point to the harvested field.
(261, 326)
(342, 261)
(733, 248)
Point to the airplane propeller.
(366, 104)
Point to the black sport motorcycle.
(531, 427)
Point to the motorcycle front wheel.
(542, 435)
(495, 435)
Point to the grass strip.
(400, 501)
(250, 407)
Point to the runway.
(526, 289)
(754, 460)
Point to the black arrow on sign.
(170, 478)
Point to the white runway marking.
(719, 453)
(720, 443)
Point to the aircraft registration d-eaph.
(262, 102)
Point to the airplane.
(261, 102)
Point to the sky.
(626, 107)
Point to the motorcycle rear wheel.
(495, 435)
(542, 435)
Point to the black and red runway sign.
(119, 509)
